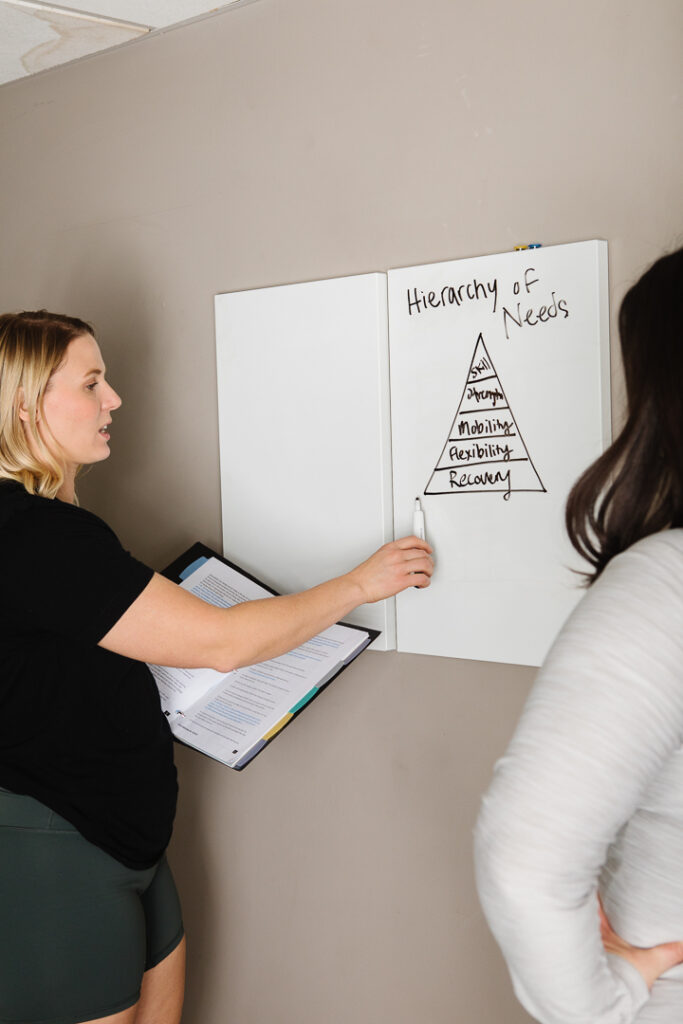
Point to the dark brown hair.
(635, 488)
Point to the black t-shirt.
(81, 729)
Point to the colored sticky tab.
(278, 725)
(193, 567)
(250, 755)
(534, 245)
(518, 248)
(304, 700)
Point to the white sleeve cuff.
(632, 980)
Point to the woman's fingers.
(649, 961)
(410, 542)
(398, 565)
(412, 559)
(606, 930)
(418, 561)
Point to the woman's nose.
(113, 401)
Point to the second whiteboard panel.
(303, 405)
(499, 401)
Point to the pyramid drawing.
(485, 450)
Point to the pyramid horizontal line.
(478, 380)
(486, 462)
(481, 408)
(477, 437)
(492, 490)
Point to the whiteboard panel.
(500, 399)
(303, 402)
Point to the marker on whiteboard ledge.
(419, 524)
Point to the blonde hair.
(32, 346)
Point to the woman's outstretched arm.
(167, 625)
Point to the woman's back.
(591, 789)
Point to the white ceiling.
(35, 35)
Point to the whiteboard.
(303, 406)
(499, 400)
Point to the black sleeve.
(69, 573)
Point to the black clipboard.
(180, 568)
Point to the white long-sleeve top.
(589, 796)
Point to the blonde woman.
(90, 924)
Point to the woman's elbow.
(215, 653)
(226, 659)
(504, 862)
(224, 662)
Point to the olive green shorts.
(77, 928)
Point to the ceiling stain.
(74, 38)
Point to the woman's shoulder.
(657, 545)
(636, 603)
(16, 504)
(21, 512)
(621, 649)
(653, 564)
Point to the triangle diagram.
(485, 450)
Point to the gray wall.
(288, 141)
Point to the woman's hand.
(395, 567)
(651, 961)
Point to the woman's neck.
(67, 492)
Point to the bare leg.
(163, 988)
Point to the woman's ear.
(24, 414)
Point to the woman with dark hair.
(90, 924)
(579, 842)
(636, 487)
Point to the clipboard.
(180, 570)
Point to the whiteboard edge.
(386, 642)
